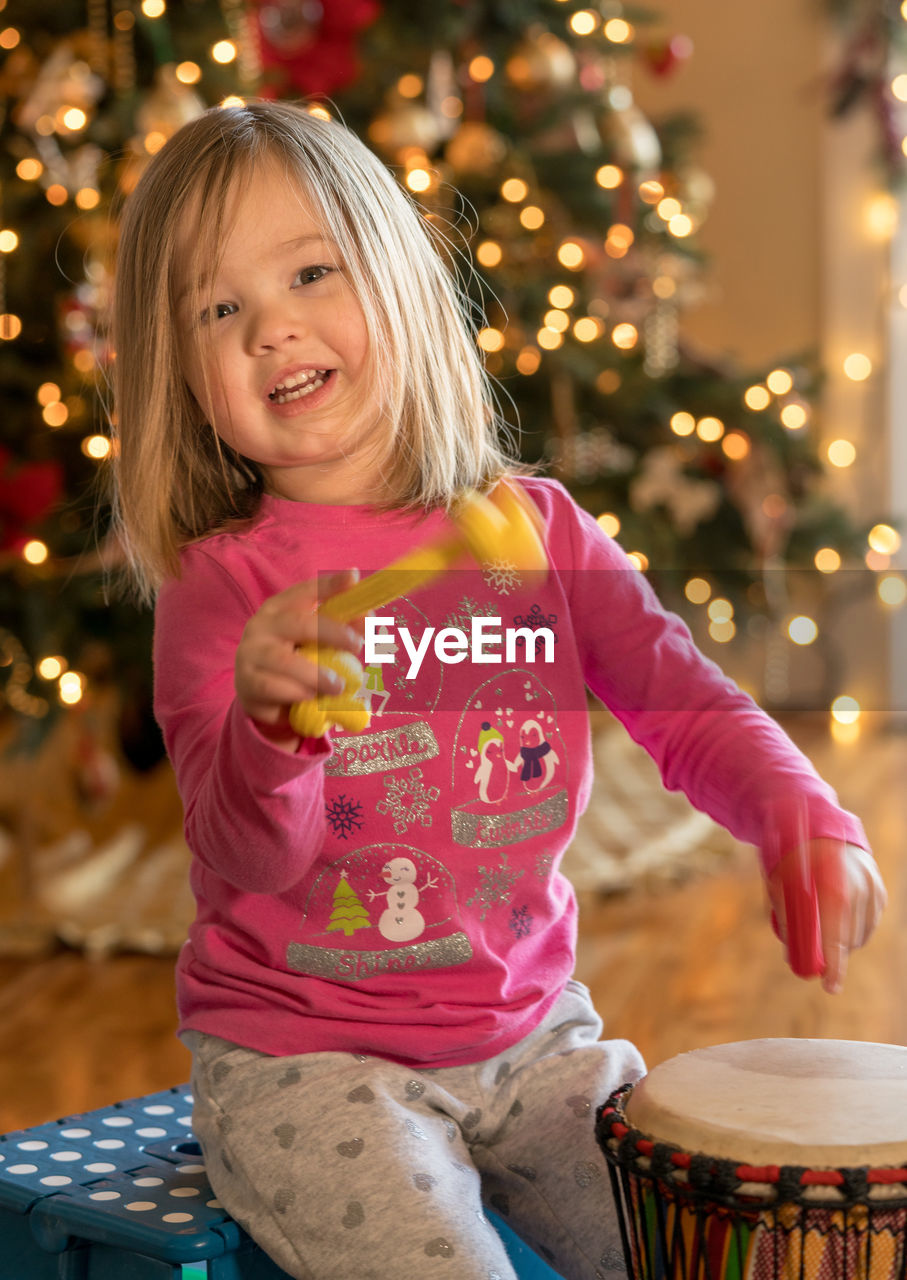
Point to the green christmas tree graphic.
(348, 912)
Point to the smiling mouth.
(299, 385)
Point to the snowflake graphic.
(461, 617)
(521, 921)
(408, 800)
(502, 575)
(496, 886)
(543, 864)
(344, 816)
(535, 619)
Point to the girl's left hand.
(839, 883)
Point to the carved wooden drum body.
(763, 1160)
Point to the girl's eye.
(218, 312)
(312, 275)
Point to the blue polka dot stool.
(121, 1194)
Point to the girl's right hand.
(270, 674)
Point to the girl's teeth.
(285, 397)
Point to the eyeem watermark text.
(486, 641)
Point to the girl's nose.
(272, 325)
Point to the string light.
(883, 539)
(35, 552)
(650, 191)
(9, 38)
(481, 69)
(794, 416)
(680, 225)
(96, 447)
(571, 255)
(224, 52)
(51, 667)
(609, 523)
(668, 208)
(639, 560)
(528, 361)
(827, 560)
(722, 630)
(410, 85)
(29, 169)
(607, 382)
(8, 240)
(234, 100)
(779, 381)
(561, 295)
(845, 709)
(802, 630)
(188, 73)
(489, 253)
(609, 176)
(10, 327)
(418, 180)
(532, 217)
(892, 590)
(697, 590)
(625, 336)
(756, 398)
(153, 8)
(514, 190)
(47, 393)
(584, 22)
(490, 339)
(720, 610)
(736, 445)
(559, 321)
(55, 413)
(549, 339)
(857, 366)
(587, 329)
(683, 423)
(71, 687)
(841, 453)
(710, 429)
(618, 31)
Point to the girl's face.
(281, 372)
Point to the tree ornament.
(404, 125)
(663, 57)
(28, 492)
(541, 61)
(308, 46)
(169, 105)
(476, 148)
(632, 139)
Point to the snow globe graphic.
(509, 753)
(400, 733)
(381, 909)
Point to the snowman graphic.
(402, 920)
(537, 759)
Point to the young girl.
(377, 988)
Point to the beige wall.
(753, 83)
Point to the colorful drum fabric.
(763, 1160)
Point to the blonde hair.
(174, 481)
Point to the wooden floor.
(673, 969)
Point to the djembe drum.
(763, 1160)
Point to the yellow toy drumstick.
(502, 525)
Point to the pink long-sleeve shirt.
(396, 891)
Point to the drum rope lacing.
(731, 1182)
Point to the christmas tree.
(513, 124)
(348, 913)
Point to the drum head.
(819, 1103)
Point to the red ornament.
(28, 490)
(663, 57)
(309, 47)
